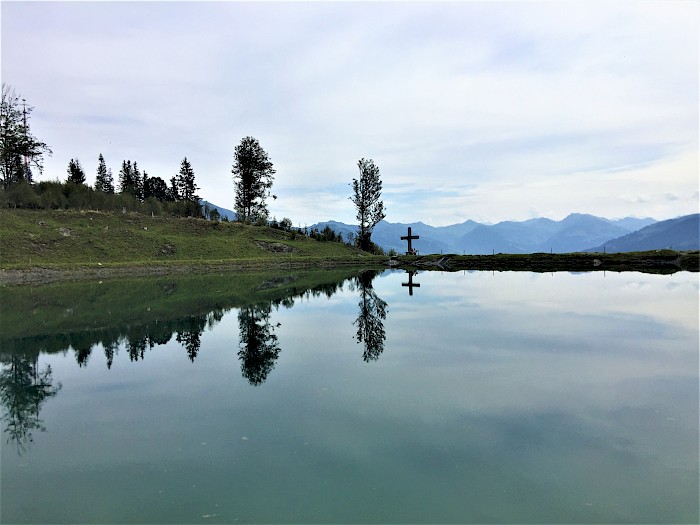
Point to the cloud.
(636, 199)
(445, 97)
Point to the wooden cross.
(408, 238)
(410, 282)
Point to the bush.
(22, 195)
(152, 206)
(79, 195)
(286, 224)
(375, 249)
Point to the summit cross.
(408, 238)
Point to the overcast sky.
(472, 110)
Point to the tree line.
(253, 175)
(135, 191)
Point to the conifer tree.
(187, 189)
(173, 192)
(138, 182)
(76, 175)
(127, 180)
(103, 180)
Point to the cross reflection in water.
(410, 282)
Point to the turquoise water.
(481, 398)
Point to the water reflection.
(411, 285)
(370, 317)
(258, 343)
(105, 327)
(525, 398)
(23, 389)
(136, 339)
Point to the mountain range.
(577, 232)
(681, 233)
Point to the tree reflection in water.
(258, 343)
(370, 318)
(23, 389)
(191, 336)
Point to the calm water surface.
(490, 398)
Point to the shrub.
(22, 195)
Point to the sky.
(487, 111)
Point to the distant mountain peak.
(681, 233)
(576, 232)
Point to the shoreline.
(38, 275)
(656, 261)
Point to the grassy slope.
(65, 238)
(61, 240)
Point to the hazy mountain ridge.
(230, 215)
(682, 233)
(576, 232)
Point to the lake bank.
(46, 246)
(656, 261)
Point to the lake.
(343, 397)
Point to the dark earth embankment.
(656, 261)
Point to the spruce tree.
(173, 192)
(76, 175)
(138, 182)
(103, 180)
(187, 189)
(127, 180)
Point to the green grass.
(133, 244)
(67, 238)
